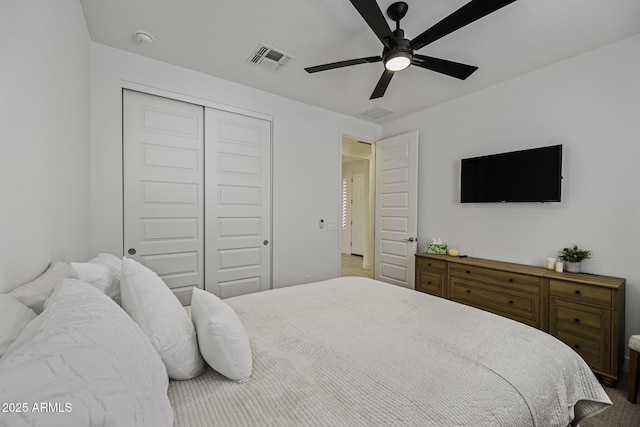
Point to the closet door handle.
(131, 251)
(266, 242)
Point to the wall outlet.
(307, 278)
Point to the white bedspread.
(356, 352)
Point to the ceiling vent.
(375, 113)
(269, 58)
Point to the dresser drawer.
(430, 283)
(593, 352)
(431, 264)
(578, 292)
(518, 281)
(580, 320)
(522, 306)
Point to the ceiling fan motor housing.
(402, 49)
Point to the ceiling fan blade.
(450, 68)
(467, 14)
(372, 14)
(382, 85)
(341, 64)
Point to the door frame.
(372, 201)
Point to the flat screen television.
(533, 175)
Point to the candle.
(559, 265)
(551, 263)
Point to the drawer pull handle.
(577, 292)
(576, 346)
(577, 320)
(429, 282)
(468, 291)
(429, 264)
(510, 302)
(468, 272)
(510, 280)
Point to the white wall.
(591, 105)
(306, 159)
(44, 142)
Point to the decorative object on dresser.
(572, 258)
(437, 247)
(585, 311)
(634, 367)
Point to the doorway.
(357, 208)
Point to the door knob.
(410, 239)
(266, 242)
(131, 251)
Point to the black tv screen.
(533, 175)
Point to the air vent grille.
(375, 113)
(269, 58)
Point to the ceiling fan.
(398, 52)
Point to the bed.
(106, 343)
(358, 352)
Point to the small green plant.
(573, 254)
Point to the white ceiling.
(217, 36)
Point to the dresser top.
(586, 278)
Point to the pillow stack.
(64, 340)
(87, 362)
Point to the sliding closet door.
(237, 203)
(163, 188)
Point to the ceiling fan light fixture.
(398, 60)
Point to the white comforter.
(357, 352)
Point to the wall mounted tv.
(533, 175)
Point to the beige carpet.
(622, 414)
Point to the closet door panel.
(163, 195)
(237, 203)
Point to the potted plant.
(572, 256)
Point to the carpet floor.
(622, 414)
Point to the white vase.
(572, 267)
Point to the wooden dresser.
(585, 311)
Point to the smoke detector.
(143, 36)
(269, 58)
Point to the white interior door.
(396, 209)
(237, 203)
(163, 188)
(358, 214)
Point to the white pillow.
(14, 316)
(87, 362)
(222, 338)
(103, 272)
(33, 294)
(153, 306)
